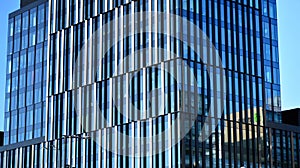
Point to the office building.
(291, 117)
(69, 92)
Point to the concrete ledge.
(22, 144)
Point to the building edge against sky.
(26, 73)
(249, 132)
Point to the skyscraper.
(146, 83)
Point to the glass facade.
(26, 74)
(53, 88)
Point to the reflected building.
(62, 88)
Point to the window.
(265, 8)
(266, 30)
(275, 54)
(259, 68)
(32, 38)
(18, 24)
(15, 63)
(268, 74)
(276, 76)
(274, 32)
(25, 21)
(14, 84)
(39, 54)
(38, 75)
(30, 77)
(14, 121)
(30, 57)
(258, 45)
(203, 7)
(11, 27)
(23, 60)
(17, 44)
(268, 98)
(8, 85)
(40, 37)
(192, 7)
(22, 120)
(9, 46)
(24, 40)
(32, 17)
(8, 67)
(7, 104)
(267, 50)
(41, 14)
(14, 102)
(37, 95)
(272, 10)
(38, 115)
(240, 16)
(21, 99)
(29, 97)
(22, 80)
(29, 117)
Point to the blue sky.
(6, 7)
(289, 42)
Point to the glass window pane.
(274, 32)
(41, 14)
(10, 46)
(273, 12)
(16, 63)
(32, 38)
(267, 52)
(30, 57)
(25, 21)
(17, 44)
(24, 40)
(8, 68)
(266, 30)
(33, 17)
(268, 74)
(40, 37)
(275, 54)
(265, 8)
(23, 60)
(29, 97)
(18, 24)
(11, 27)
